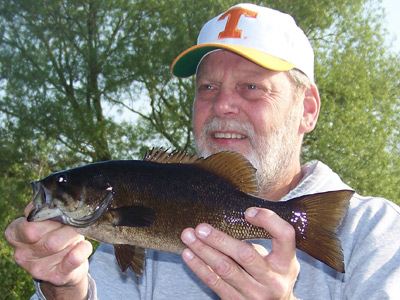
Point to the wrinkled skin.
(53, 253)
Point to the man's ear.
(312, 105)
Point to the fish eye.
(62, 178)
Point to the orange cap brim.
(185, 64)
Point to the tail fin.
(316, 219)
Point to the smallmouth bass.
(137, 205)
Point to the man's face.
(242, 107)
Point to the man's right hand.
(53, 253)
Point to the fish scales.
(138, 205)
(182, 196)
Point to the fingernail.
(189, 237)
(204, 230)
(187, 254)
(251, 212)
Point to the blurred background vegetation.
(87, 80)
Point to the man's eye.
(207, 87)
(251, 87)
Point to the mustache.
(218, 124)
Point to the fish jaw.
(42, 198)
(44, 212)
(46, 209)
(41, 195)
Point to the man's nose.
(227, 103)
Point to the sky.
(392, 8)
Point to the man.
(255, 94)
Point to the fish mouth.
(84, 215)
(41, 201)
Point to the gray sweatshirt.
(370, 236)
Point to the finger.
(20, 231)
(76, 257)
(11, 231)
(47, 253)
(57, 240)
(74, 265)
(201, 268)
(241, 252)
(283, 234)
(215, 248)
(37, 241)
(44, 268)
(59, 268)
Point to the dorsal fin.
(229, 165)
(233, 167)
(164, 157)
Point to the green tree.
(357, 134)
(61, 61)
(16, 169)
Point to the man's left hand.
(235, 269)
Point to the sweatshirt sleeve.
(373, 251)
(92, 290)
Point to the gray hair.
(299, 80)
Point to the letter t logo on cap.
(234, 14)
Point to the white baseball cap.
(263, 35)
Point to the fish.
(146, 204)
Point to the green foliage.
(357, 133)
(83, 81)
(16, 283)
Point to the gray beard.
(271, 154)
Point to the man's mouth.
(228, 135)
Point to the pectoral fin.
(132, 257)
(133, 216)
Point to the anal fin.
(129, 256)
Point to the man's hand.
(53, 253)
(235, 269)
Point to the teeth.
(221, 135)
